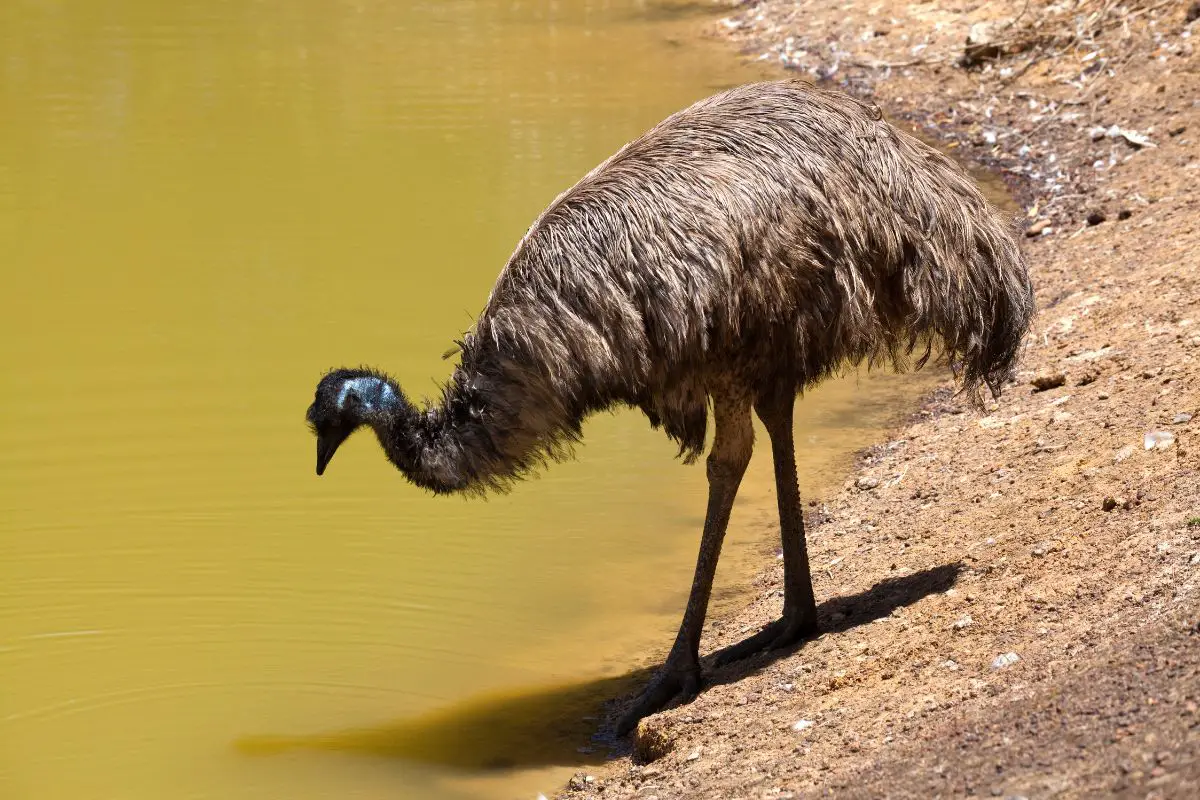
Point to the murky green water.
(203, 205)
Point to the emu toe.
(667, 683)
(781, 633)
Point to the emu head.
(346, 400)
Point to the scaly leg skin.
(733, 442)
(799, 619)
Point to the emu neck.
(494, 422)
(432, 446)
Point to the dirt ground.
(1010, 602)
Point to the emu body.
(740, 251)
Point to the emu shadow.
(839, 614)
(567, 725)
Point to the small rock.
(866, 483)
(651, 741)
(1048, 380)
(1178, 129)
(1195, 559)
(1134, 139)
(802, 725)
(694, 755)
(1158, 440)
(1182, 419)
(1102, 395)
(1163, 547)
(1095, 217)
(1005, 660)
(1124, 453)
(1038, 228)
(1124, 214)
(981, 45)
(951, 665)
(1111, 503)
(964, 622)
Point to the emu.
(740, 251)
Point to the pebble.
(694, 755)
(867, 482)
(1158, 440)
(1182, 418)
(1048, 380)
(1124, 214)
(1111, 503)
(1038, 228)
(1005, 660)
(1124, 453)
(964, 622)
(1095, 217)
(651, 741)
(802, 725)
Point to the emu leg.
(733, 442)
(799, 618)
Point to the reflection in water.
(553, 726)
(542, 727)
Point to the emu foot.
(669, 681)
(782, 632)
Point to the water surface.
(203, 205)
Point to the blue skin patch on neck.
(373, 392)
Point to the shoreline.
(1008, 597)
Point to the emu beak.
(327, 444)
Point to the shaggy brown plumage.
(743, 249)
